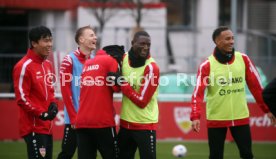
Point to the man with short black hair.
(33, 84)
(139, 113)
(228, 72)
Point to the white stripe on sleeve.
(21, 78)
(253, 69)
(198, 78)
(147, 82)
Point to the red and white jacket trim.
(33, 92)
(143, 96)
(66, 69)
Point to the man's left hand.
(52, 110)
(272, 118)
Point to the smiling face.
(141, 46)
(88, 39)
(43, 47)
(225, 41)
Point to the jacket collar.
(80, 54)
(224, 58)
(101, 52)
(34, 56)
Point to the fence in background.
(260, 47)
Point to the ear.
(81, 39)
(217, 40)
(34, 44)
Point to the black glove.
(51, 113)
(116, 77)
(44, 116)
(115, 51)
(52, 110)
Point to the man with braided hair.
(95, 124)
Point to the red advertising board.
(174, 122)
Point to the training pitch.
(196, 150)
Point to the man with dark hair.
(70, 72)
(95, 122)
(34, 92)
(227, 71)
(139, 113)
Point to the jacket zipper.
(233, 123)
(46, 91)
(34, 121)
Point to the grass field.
(196, 150)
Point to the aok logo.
(182, 118)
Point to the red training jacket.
(33, 77)
(96, 96)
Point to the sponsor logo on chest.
(92, 67)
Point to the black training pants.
(129, 140)
(69, 143)
(241, 135)
(39, 146)
(103, 139)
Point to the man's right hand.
(196, 125)
(272, 118)
(51, 113)
(52, 110)
(44, 116)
